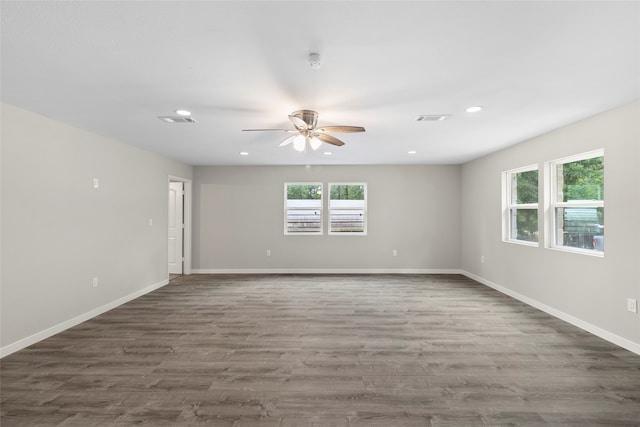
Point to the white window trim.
(366, 214)
(507, 205)
(551, 203)
(286, 209)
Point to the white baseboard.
(585, 326)
(30, 340)
(323, 271)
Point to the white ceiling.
(113, 67)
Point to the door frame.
(186, 217)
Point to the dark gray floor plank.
(321, 350)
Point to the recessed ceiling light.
(473, 109)
(244, 153)
(412, 152)
(183, 112)
(327, 153)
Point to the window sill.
(523, 243)
(346, 234)
(579, 251)
(302, 233)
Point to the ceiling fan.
(306, 131)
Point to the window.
(348, 209)
(577, 202)
(521, 207)
(303, 208)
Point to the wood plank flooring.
(322, 350)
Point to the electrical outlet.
(95, 282)
(96, 183)
(482, 259)
(394, 252)
(268, 252)
(632, 305)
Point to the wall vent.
(177, 119)
(432, 117)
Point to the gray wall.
(58, 232)
(587, 290)
(239, 214)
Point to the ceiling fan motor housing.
(310, 117)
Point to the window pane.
(303, 221)
(581, 180)
(304, 208)
(581, 227)
(349, 219)
(304, 192)
(524, 187)
(347, 208)
(347, 192)
(524, 225)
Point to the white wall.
(586, 290)
(239, 214)
(58, 232)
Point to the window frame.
(508, 206)
(330, 209)
(320, 232)
(552, 203)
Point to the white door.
(176, 195)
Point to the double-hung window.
(577, 202)
(348, 208)
(303, 208)
(521, 205)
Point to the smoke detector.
(314, 60)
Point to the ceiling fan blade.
(338, 129)
(265, 130)
(328, 139)
(298, 123)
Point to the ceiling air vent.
(432, 117)
(177, 119)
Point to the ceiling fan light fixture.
(183, 113)
(315, 143)
(299, 142)
(304, 122)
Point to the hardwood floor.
(322, 350)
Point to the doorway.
(176, 228)
(179, 227)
